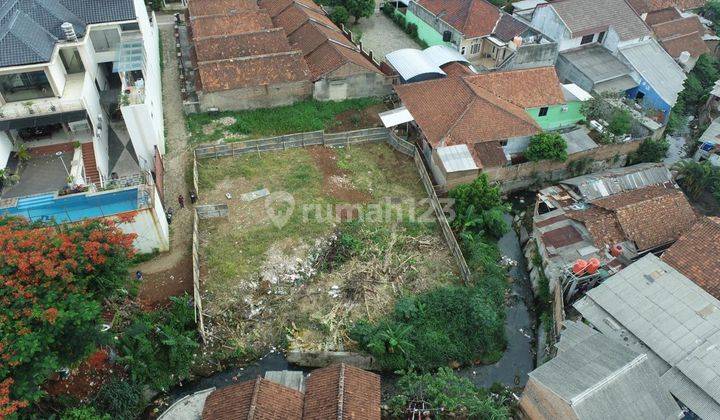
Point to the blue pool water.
(74, 207)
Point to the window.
(127, 27)
(543, 111)
(25, 86)
(587, 39)
(71, 60)
(475, 49)
(105, 39)
(462, 51)
(601, 37)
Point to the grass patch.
(310, 115)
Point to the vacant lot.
(311, 115)
(303, 282)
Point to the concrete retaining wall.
(319, 359)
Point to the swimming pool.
(75, 207)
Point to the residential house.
(338, 391)
(595, 377)
(645, 7)
(338, 68)
(681, 36)
(709, 148)
(488, 115)
(606, 47)
(481, 32)
(80, 91)
(614, 216)
(276, 52)
(653, 309)
(695, 255)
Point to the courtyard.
(356, 234)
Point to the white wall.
(6, 147)
(151, 71)
(151, 228)
(142, 132)
(549, 24)
(57, 74)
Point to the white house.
(80, 106)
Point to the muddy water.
(512, 369)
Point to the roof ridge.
(493, 94)
(341, 392)
(261, 31)
(457, 121)
(253, 401)
(253, 57)
(640, 358)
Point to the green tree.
(479, 207)
(706, 70)
(339, 15)
(454, 395)
(650, 151)
(547, 146)
(620, 122)
(696, 177)
(54, 280)
(359, 8)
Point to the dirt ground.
(354, 120)
(265, 286)
(84, 380)
(170, 274)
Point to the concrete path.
(177, 162)
(381, 35)
(676, 151)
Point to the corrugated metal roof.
(574, 92)
(657, 68)
(615, 181)
(410, 62)
(395, 117)
(600, 377)
(597, 63)
(456, 158)
(712, 134)
(578, 141)
(671, 315)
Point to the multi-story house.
(606, 47)
(80, 107)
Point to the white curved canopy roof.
(411, 62)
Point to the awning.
(42, 120)
(573, 92)
(395, 117)
(619, 84)
(130, 56)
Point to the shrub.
(120, 398)
(550, 146)
(620, 122)
(84, 412)
(649, 151)
(340, 15)
(412, 30)
(454, 395)
(479, 207)
(159, 347)
(389, 9)
(696, 178)
(447, 324)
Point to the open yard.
(347, 249)
(310, 115)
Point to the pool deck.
(40, 174)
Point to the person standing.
(181, 201)
(193, 197)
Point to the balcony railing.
(15, 110)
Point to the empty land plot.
(346, 251)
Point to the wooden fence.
(211, 211)
(199, 317)
(291, 141)
(442, 220)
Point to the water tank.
(684, 57)
(69, 31)
(593, 265)
(579, 267)
(447, 36)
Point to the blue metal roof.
(29, 29)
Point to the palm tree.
(696, 177)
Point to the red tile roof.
(695, 255)
(221, 47)
(258, 399)
(251, 71)
(473, 18)
(480, 108)
(237, 23)
(488, 154)
(650, 217)
(684, 34)
(336, 392)
(219, 7)
(660, 16)
(645, 6)
(275, 7)
(456, 69)
(342, 392)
